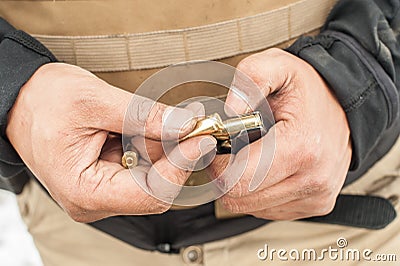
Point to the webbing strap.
(359, 211)
(137, 51)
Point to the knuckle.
(156, 113)
(83, 105)
(230, 205)
(237, 191)
(325, 210)
(318, 184)
(214, 170)
(246, 63)
(79, 204)
(158, 207)
(162, 208)
(77, 214)
(304, 193)
(309, 156)
(275, 52)
(143, 110)
(311, 150)
(262, 215)
(78, 218)
(249, 66)
(218, 166)
(324, 206)
(75, 200)
(153, 120)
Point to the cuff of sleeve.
(364, 90)
(20, 56)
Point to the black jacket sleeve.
(358, 54)
(20, 56)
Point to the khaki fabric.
(211, 41)
(121, 17)
(101, 17)
(61, 241)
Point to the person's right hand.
(63, 126)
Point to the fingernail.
(188, 126)
(236, 102)
(166, 114)
(177, 118)
(197, 108)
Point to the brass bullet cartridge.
(130, 159)
(226, 131)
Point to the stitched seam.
(357, 101)
(28, 42)
(366, 61)
(317, 42)
(362, 97)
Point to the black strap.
(369, 212)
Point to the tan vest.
(126, 41)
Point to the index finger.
(260, 164)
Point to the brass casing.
(129, 159)
(225, 131)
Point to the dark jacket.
(357, 53)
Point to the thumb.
(131, 114)
(256, 77)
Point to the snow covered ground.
(16, 245)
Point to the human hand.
(313, 148)
(66, 126)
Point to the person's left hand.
(66, 125)
(313, 148)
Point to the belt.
(173, 230)
(122, 52)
